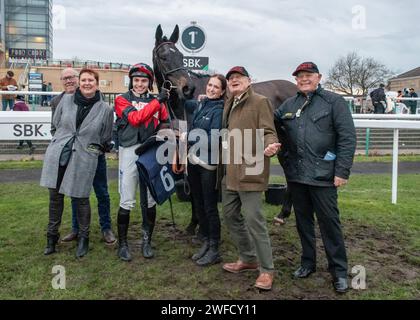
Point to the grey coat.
(96, 128)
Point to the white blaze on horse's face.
(140, 85)
(308, 81)
(214, 89)
(238, 84)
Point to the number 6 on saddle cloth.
(159, 178)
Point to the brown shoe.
(240, 266)
(72, 236)
(265, 281)
(109, 237)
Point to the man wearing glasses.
(70, 81)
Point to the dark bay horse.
(170, 72)
(277, 91)
(168, 65)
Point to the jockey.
(139, 114)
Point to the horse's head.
(169, 67)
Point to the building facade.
(28, 30)
(409, 79)
(2, 33)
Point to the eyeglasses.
(69, 78)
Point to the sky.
(269, 37)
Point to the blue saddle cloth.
(159, 178)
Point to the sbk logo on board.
(28, 130)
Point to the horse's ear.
(159, 34)
(175, 35)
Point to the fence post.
(395, 167)
(367, 142)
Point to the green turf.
(382, 237)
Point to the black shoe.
(31, 150)
(340, 285)
(303, 272)
(203, 250)
(51, 243)
(82, 247)
(211, 257)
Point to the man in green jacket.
(248, 118)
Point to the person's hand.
(339, 182)
(272, 149)
(201, 97)
(163, 95)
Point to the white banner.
(25, 125)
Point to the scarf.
(84, 105)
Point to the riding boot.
(203, 250)
(212, 255)
(82, 247)
(123, 223)
(148, 232)
(51, 243)
(83, 218)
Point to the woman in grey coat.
(84, 127)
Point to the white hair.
(70, 69)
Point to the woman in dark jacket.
(203, 138)
(83, 123)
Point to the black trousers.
(379, 108)
(204, 198)
(56, 208)
(323, 201)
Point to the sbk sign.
(15, 131)
(196, 63)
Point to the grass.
(363, 159)
(383, 238)
(29, 163)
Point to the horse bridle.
(170, 87)
(165, 74)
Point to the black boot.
(212, 255)
(51, 243)
(123, 223)
(203, 250)
(83, 218)
(146, 245)
(82, 247)
(148, 227)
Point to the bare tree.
(354, 75)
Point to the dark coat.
(207, 116)
(324, 129)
